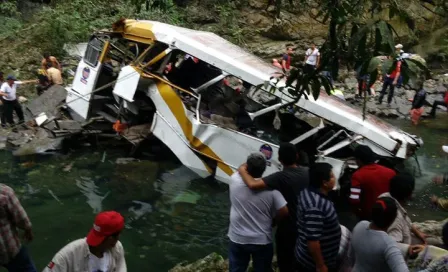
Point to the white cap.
(399, 46)
(401, 51)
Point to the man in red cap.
(99, 252)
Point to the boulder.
(258, 19)
(213, 262)
(257, 4)
(280, 30)
(431, 227)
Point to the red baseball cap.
(106, 224)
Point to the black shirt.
(419, 99)
(289, 182)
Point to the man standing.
(391, 79)
(101, 251)
(13, 256)
(286, 60)
(317, 223)
(10, 103)
(312, 59)
(289, 182)
(54, 75)
(251, 217)
(368, 182)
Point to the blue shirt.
(317, 221)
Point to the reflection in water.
(171, 214)
(433, 161)
(91, 192)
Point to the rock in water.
(39, 146)
(213, 262)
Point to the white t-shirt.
(312, 56)
(11, 91)
(99, 264)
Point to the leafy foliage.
(74, 20)
(9, 9)
(358, 40)
(228, 22)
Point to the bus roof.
(206, 46)
(234, 60)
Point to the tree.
(357, 33)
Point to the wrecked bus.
(196, 92)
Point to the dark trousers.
(434, 106)
(285, 242)
(239, 257)
(363, 87)
(8, 109)
(388, 82)
(2, 114)
(21, 263)
(309, 68)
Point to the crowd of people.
(390, 80)
(309, 236)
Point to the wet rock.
(258, 19)
(126, 160)
(33, 142)
(213, 262)
(280, 30)
(431, 227)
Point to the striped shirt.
(317, 221)
(12, 216)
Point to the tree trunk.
(334, 61)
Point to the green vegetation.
(357, 29)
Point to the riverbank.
(217, 263)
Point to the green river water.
(171, 214)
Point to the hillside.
(31, 28)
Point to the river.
(171, 214)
